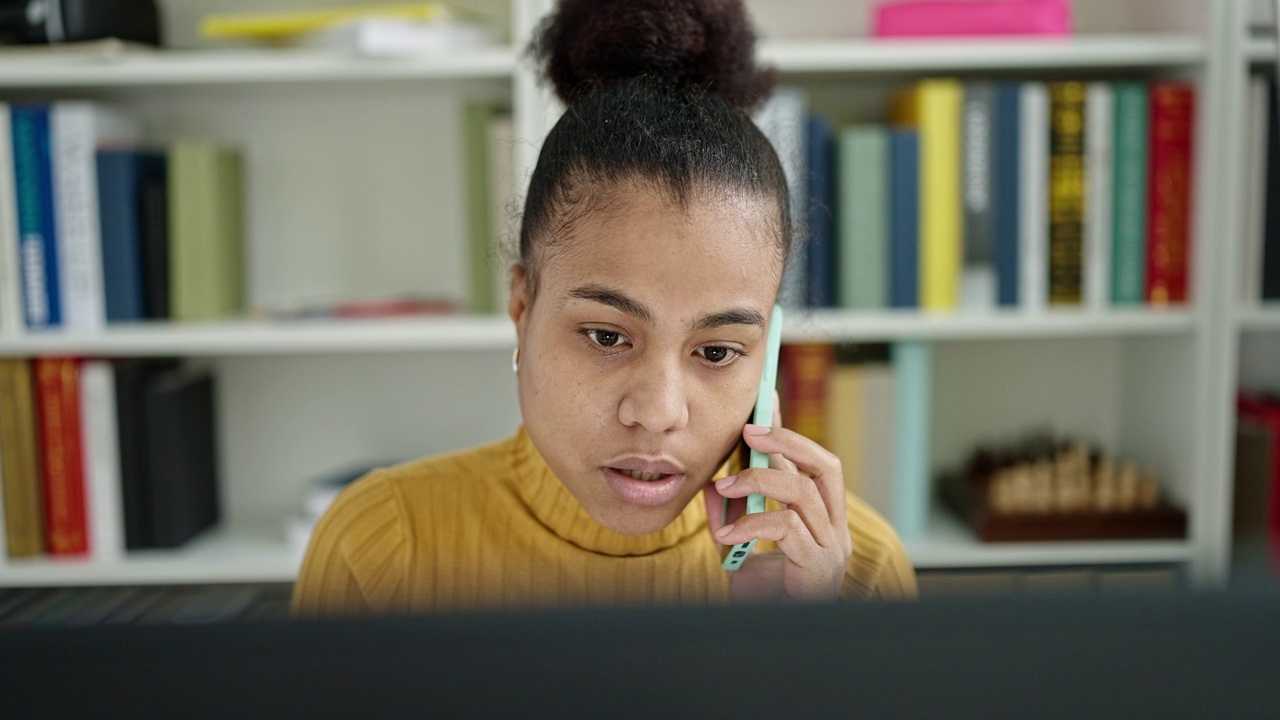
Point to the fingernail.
(725, 482)
(756, 429)
(722, 532)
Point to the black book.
(182, 456)
(132, 379)
(1271, 248)
(154, 216)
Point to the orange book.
(806, 373)
(58, 392)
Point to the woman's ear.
(518, 304)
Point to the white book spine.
(102, 461)
(1254, 225)
(11, 321)
(77, 130)
(1099, 169)
(1033, 213)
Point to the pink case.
(936, 18)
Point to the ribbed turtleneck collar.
(556, 508)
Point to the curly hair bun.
(680, 44)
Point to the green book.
(1129, 209)
(481, 255)
(862, 240)
(206, 232)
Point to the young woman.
(655, 231)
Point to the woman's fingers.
(794, 491)
(810, 459)
(783, 527)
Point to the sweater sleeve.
(357, 561)
(879, 568)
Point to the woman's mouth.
(644, 483)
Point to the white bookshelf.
(142, 68)
(949, 544)
(1103, 51)
(1264, 318)
(298, 398)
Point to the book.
(862, 248)
(505, 218)
(1270, 269)
(38, 247)
(805, 369)
(934, 107)
(978, 280)
(182, 458)
(1007, 192)
(1169, 193)
(860, 412)
(101, 460)
(1033, 198)
(482, 245)
(1251, 509)
(125, 177)
(784, 119)
(77, 131)
(206, 232)
(904, 223)
(20, 461)
(10, 282)
(1066, 192)
(1255, 190)
(913, 375)
(132, 378)
(1129, 216)
(822, 251)
(1264, 415)
(381, 37)
(1098, 157)
(278, 26)
(58, 392)
(931, 18)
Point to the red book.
(1267, 414)
(1169, 193)
(806, 370)
(58, 388)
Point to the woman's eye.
(607, 338)
(717, 355)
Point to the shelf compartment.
(1263, 318)
(869, 55)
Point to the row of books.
(869, 405)
(1260, 256)
(993, 194)
(97, 227)
(100, 457)
(1256, 517)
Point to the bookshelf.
(299, 399)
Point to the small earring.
(515, 361)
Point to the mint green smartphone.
(763, 415)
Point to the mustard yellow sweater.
(492, 528)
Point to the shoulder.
(359, 557)
(879, 568)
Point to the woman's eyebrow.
(736, 316)
(614, 299)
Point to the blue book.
(1004, 165)
(124, 178)
(821, 250)
(37, 246)
(904, 219)
(913, 376)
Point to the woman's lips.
(645, 493)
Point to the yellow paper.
(280, 26)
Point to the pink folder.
(936, 18)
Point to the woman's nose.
(656, 399)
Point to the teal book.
(1129, 188)
(862, 248)
(913, 375)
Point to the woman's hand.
(811, 529)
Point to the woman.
(655, 231)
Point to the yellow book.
(280, 26)
(934, 107)
(844, 423)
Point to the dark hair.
(657, 93)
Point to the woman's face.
(641, 355)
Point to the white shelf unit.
(297, 400)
